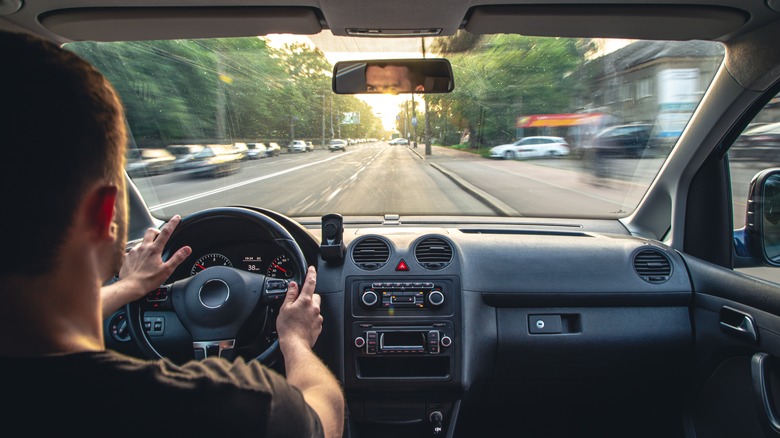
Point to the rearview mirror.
(393, 76)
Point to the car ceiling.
(65, 20)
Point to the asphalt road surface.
(377, 179)
(365, 180)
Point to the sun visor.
(123, 24)
(599, 21)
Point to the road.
(376, 179)
(367, 179)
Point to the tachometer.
(281, 267)
(208, 261)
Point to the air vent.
(652, 266)
(371, 253)
(433, 253)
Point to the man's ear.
(101, 209)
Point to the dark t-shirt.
(109, 394)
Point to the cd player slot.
(402, 341)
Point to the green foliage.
(501, 78)
(224, 90)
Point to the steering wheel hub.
(214, 293)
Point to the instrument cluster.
(266, 260)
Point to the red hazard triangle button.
(402, 266)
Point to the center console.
(402, 364)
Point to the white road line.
(243, 183)
(333, 195)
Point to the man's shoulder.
(248, 394)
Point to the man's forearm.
(112, 297)
(319, 387)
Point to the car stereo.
(372, 339)
(404, 297)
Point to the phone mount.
(332, 247)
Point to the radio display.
(403, 340)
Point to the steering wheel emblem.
(214, 293)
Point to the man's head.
(63, 136)
(393, 79)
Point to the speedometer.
(281, 267)
(208, 261)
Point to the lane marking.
(243, 183)
(333, 195)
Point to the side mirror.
(393, 76)
(762, 223)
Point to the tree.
(500, 77)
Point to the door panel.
(735, 382)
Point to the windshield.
(599, 118)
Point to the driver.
(392, 79)
(70, 239)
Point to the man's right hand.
(299, 321)
(299, 324)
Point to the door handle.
(739, 324)
(759, 373)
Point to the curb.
(493, 203)
(414, 151)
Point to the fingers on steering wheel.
(317, 300)
(292, 293)
(165, 232)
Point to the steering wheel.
(218, 304)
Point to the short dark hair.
(62, 129)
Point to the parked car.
(759, 143)
(532, 147)
(214, 160)
(622, 140)
(184, 154)
(296, 146)
(309, 146)
(241, 149)
(273, 149)
(256, 151)
(398, 141)
(337, 144)
(148, 162)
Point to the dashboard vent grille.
(652, 266)
(371, 253)
(433, 253)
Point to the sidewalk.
(467, 170)
(439, 153)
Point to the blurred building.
(654, 82)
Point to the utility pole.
(322, 143)
(331, 117)
(221, 131)
(414, 124)
(427, 119)
(406, 120)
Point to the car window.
(757, 148)
(278, 89)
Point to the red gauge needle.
(200, 266)
(280, 268)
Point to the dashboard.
(425, 323)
